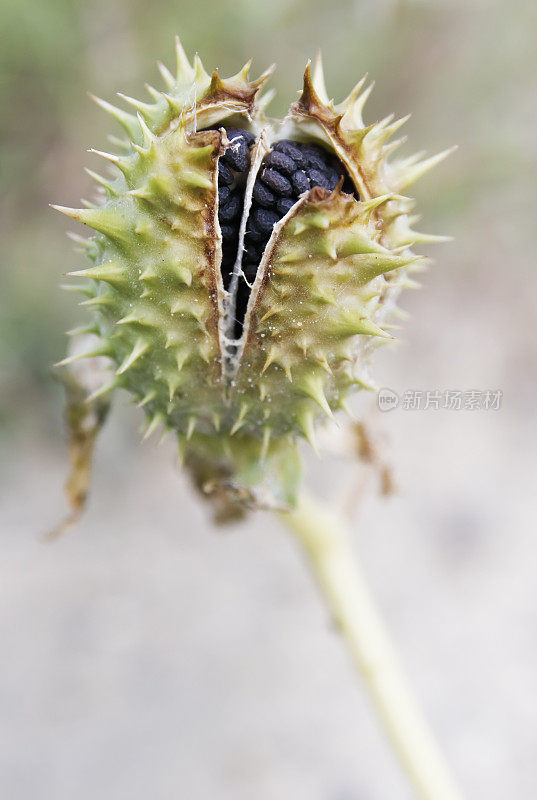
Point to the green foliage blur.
(465, 70)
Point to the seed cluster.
(233, 168)
(286, 172)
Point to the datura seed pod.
(244, 268)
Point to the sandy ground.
(147, 654)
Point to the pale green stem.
(325, 540)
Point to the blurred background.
(147, 654)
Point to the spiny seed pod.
(245, 268)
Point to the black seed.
(223, 194)
(278, 183)
(252, 232)
(280, 161)
(312, 150)
(237, 156)
(225, 175)
(227, 231)
(263, 195)
(291, 149)
(284, 205)
(241, 133)
(265, 220)
(300, 181)
(314, 162)
(230, 244)
(230, 209)
(319, 178)
(332, 177)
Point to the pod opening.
(287, 171)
